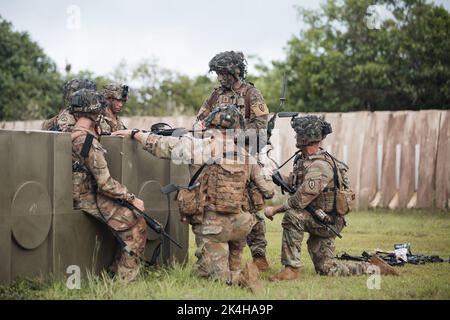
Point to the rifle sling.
(86, 145)
(337, 186)
(196, 175)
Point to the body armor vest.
(225, 187)
(237, 97)
(325, 199)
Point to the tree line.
(349, 57)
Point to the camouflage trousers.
(256, 239)
(220, 241)
(321, 246)
(131, 229)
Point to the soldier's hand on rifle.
(138, 203)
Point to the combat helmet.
(115, 91)
(225, 117)
(232, 62)
(87, 103)
(76, 84)
(310, 129)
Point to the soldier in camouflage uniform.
(231, 70)
(116, 96)
(220, 219)
(316, 185)
(94, 190)
(64, 121)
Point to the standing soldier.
(321, 182)
(231, 70)
(218, 208)
(94, 190)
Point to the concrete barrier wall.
(397, 159)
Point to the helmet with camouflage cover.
(87, 103)
(76, 84)
(225, 117)
(310, 129)
(232, 62)
(116, 91)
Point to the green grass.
(428, 233)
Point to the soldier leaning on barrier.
(231, 70)
(321, 182)
(115, 95)
(218, 208)
(94, 189)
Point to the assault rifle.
(391, 258)
(323, 219)
(152, 223)
(164, 129)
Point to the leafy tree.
(342, 63)
(30, 85)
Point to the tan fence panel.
(443, 163)
(408, 160)
(428, 131)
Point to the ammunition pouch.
(190, 202)
(345, 201)
(256, 198)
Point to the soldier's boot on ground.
(261, 263)
(250, 277)
(385, 268)
(127, 268)
(288, 273)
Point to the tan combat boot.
(249, 277)
(288, 273)
(385, 268)
(127, 268)
(261, 263)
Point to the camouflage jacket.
(109, 124)
(91, 177)
(247, 97)
(259, 188)
(313, 176)
(63, 122)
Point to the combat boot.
(385, 268)
(288, 273)
(127, 268)
(250, 277)
(261, 263)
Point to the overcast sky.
(181, 35)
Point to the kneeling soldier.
(218, 208)
(321, 182)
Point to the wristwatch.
(133, 132)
